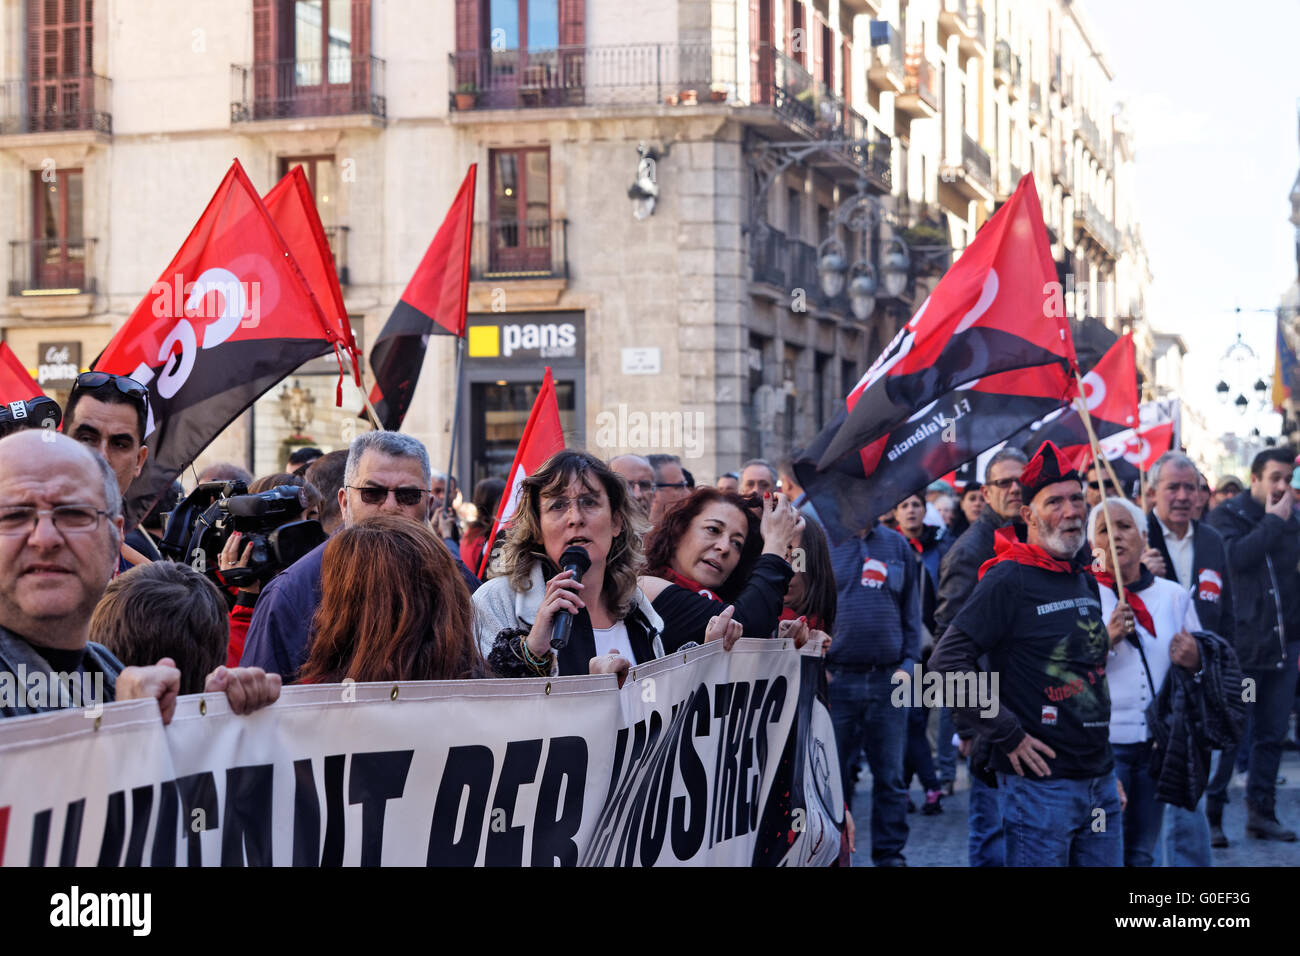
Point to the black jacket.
(1192, 715)
(1263, 552)
(960, 567)
(1213, 599)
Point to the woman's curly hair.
(524, 543)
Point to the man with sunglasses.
(386, 473)
(109, 413)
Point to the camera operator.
(108, 413)
(238, 550)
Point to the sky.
(1211, 92)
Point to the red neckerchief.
(1106, 579)
(682, 581)
(814, 622)
(916, 545)
(1007, 547)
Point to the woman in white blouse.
(1149, 632)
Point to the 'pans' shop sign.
(58, 364)
(527, 339)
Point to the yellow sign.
(484, 341)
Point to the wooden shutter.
(469, 32)
(846, 70)
(573, 23)
(756, 87)
(573, 40)
(361, 34)
(59, 46)
(265, 50)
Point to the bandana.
(1007, 547)
(1144, 581)
(682, 581)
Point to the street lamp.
(895, 268)
(862, 290)
(831, 266)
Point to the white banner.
(703, 757)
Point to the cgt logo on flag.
(874, 573)
(1209, 585)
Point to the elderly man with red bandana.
(1036, 614)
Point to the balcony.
(784, 263)
(977, 44)
(337, 237)
(919, 99)
(40, 268)
(1006, 69)
(57, 104)
(1090, 222)
(1061, 171)
(298, 89)
(954, 18)
(519, 249)
(974, 177)
(887, 70)
(1037, 114)
(627, 74)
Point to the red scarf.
(1106, 579)
(1007, 547)
(682, 581)
(814, 622)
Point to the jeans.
(1059, 822)
(1186, 837)
(916, 759)
(984, 830)
(1274, 697)
(945, 754)
(1216, 791)
(1144, 814)
(864, 718)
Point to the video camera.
(202, 524)
(38, 412)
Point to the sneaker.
(1218, 839)
(1264, 825)
(932, 803)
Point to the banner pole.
(1105, 509)
(455, 418)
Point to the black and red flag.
(229, 318)
(1111, 392)
(291, 205)
(983, 357)
(436, 300)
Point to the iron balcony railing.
(519, 249)
(976, 161)
(338, 240)
(624, 74)
(287, 89)
(783, 262)
(1061, 168)
(1098, 225)
(49, 266)
(56, 104)
(1091, 135)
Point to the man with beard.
(1037, 615)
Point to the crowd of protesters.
(1121, 631)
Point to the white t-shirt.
(609, 639)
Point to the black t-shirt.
(1046, 640)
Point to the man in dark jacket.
(877, 636)
(1193, 554)
(958, 573)
(383, 469)
(1036, 616)
(1263, 539)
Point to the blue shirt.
(878, 615)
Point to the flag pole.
(1105, 509)
(455, 418)
(365, 396)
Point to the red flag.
(1111, 391)
(543, 437)
(16, 384)
(291, 205)
(993, 311)
(437, 297)
(229, 318)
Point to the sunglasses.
(378, 494)
(127, 386)
(1002, 483)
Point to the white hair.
(392, 444)
(1139, 516)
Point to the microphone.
(575, 559)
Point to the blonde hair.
(524, 544)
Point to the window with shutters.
(311, 58)
(58, 245)
(62, 91)
(519, 233)
(512, 53)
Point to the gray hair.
(765, 463)
(393, 444)
(1008, 453)
(1139, 516)
(1170, 458)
